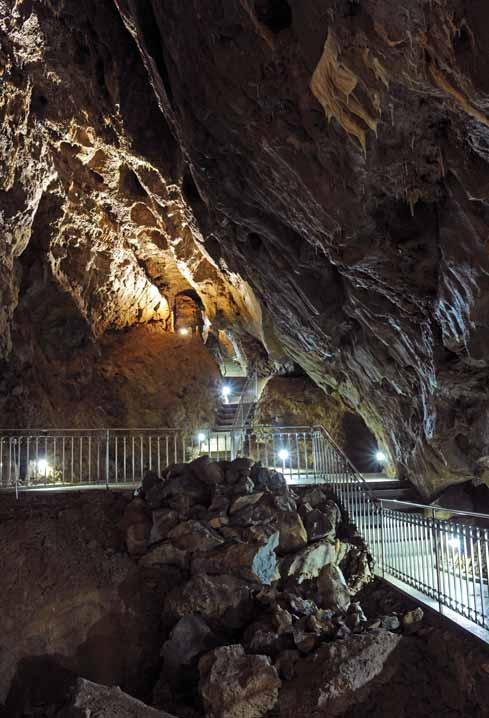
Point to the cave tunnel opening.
(188, 313)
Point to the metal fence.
(443, 562)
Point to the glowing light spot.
(283, 454)
(380, 457)
(43, 466)
(184, 331)
(201, 436)
(454, 543)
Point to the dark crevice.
(255, 241)
(152, 40)
(275, 14)
(190, 190)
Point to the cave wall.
(315, 171)
(97, 233)
(342, 150)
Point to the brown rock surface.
(234, 685)
(340, 150)
(339, 675)
(90, 699)
(72, 599)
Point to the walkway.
(443, 564)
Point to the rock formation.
(339, 155)
(227, 604)
(315, 174)
(97, 235)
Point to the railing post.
(382, 539)
(437, 560)
(17, 470)
(107, 459)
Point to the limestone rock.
(207, 471)
(243, 502)
(223, 601)
(309, 562)
(90, 700)
(332, 588)
(163, 522)
(293, 535)
(233, 685)
(412, 620)
(255, 562)
(137, 524)
(164, 554)
(195, 537)
(265, 479)
(189, 638)
(185, 488)
(339, 674)
(319, 525)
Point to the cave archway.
(188, 313)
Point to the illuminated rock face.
(331, 156)
(342, 149)
(97, 235)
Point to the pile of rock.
(263, 590)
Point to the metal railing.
(247, 400)
(443, 562)
(37, 459)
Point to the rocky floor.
(215, 591)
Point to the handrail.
(434, 507)
(356, 472)
(242, 414)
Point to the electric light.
(183, 331)
(454, 543)
(201, 436)
(380, 457)
(226, 391)
(283, 454)
(42, 466)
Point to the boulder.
(412, 620)
(332, 589)
(293, 535)
(285, 663)
(243, 502)
(163, 522)
(315, 497)
(150, 479)
(357, 568)
(319, 525)
(185, 490)
(255, 562)
(210, 472)
(189, 639)
(164, 554)
(339, 674)
(136, 512)
(236, 470)
(90, 700)
(266, 479)
(155, 495)
(234, 685)
(137, 539)
(223, 601)
(309, 562)
(195, 536)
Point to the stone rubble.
(266, 598)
